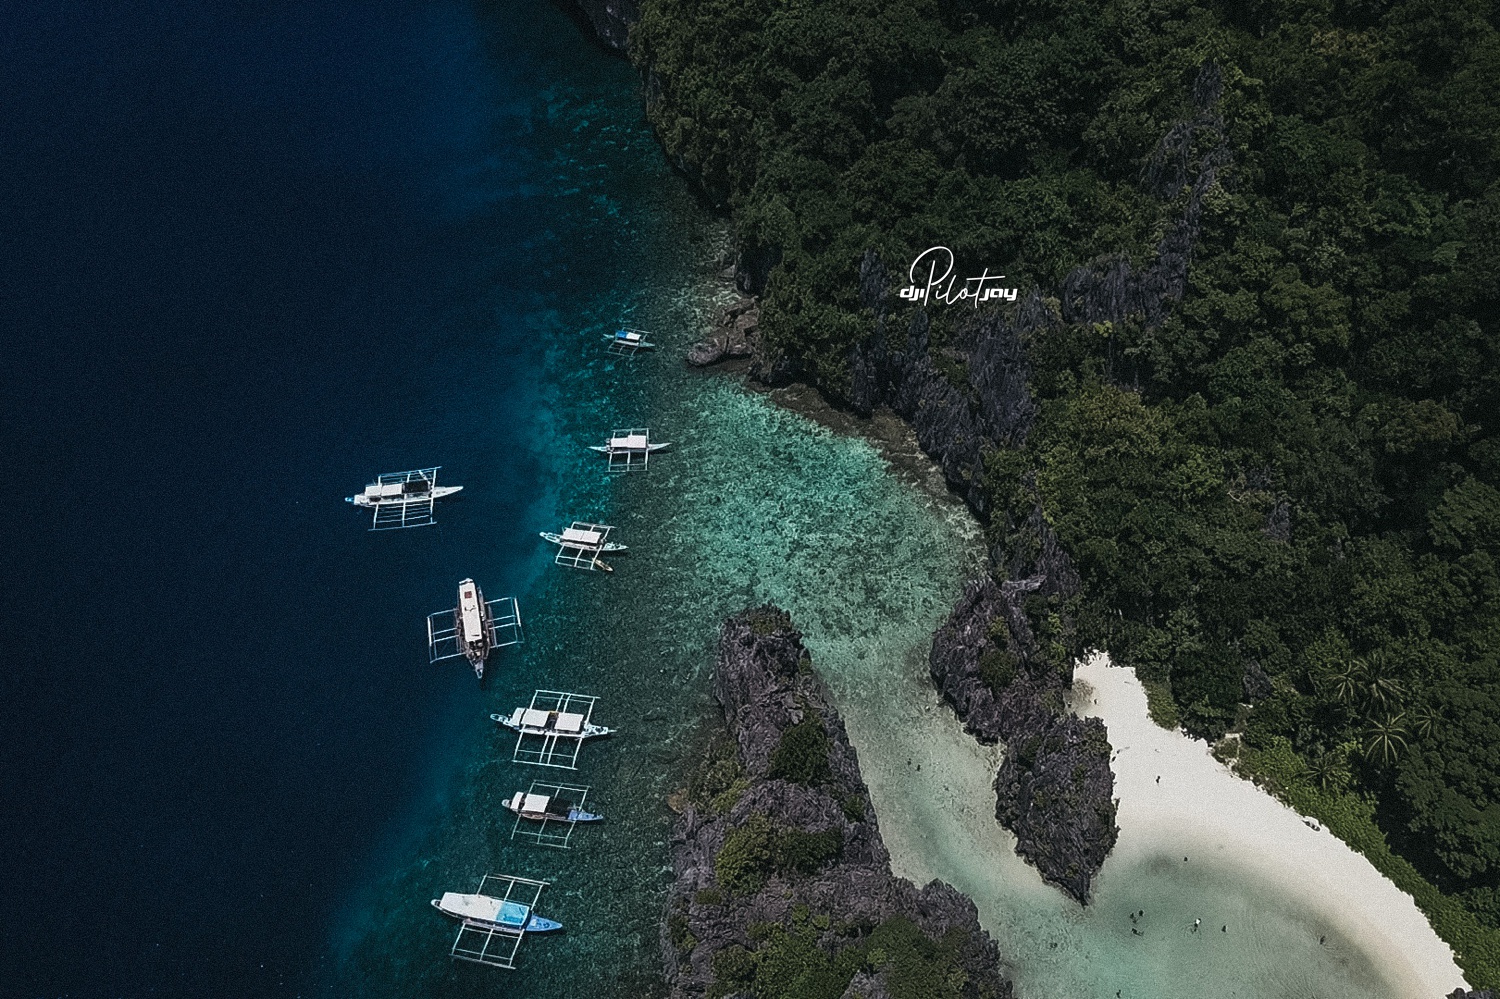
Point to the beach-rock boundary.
(777, 846)
(1054, 789)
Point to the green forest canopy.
(1297, 475)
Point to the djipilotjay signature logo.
(940, 287)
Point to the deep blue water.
(251, 254)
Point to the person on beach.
(1196, 922)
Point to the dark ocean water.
(253, 254)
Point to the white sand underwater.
(1286, 911)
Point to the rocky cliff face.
(610, 20)
(777, 849)
(1055, 789)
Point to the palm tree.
(1385, 740)
(1349, 681)
(1422, 720)
(1379, 686)
(1323, 770)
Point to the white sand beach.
(1199, 806)
(1286, 912)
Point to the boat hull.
(475, 640)
(534, 923)
(589, 731)
(370, 503)
(636, 344)
(650, 449)
(557, 539)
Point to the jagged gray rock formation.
(712, 930)
(1054, 790)
(609, 19)
(733, 335)
(1064, 826)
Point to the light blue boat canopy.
(513, 914)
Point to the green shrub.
(744, 861)
(719, 781)
(801, 755)
(759, 847)
(997, 668)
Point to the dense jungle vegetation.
(1283, 500)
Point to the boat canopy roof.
(582, 537)
(534, 718)
(630, 440)
(535, 803)
(485, 908)
(568, 721)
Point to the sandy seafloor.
(756, 503)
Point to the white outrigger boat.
(629, 341)
(629, 450)
(403, 499)
(492, 926)
(548, 813)
(556, 723)
(581, 545)
(548, 808)
(474, 628)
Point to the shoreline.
(1279, 887)
(1200, 804)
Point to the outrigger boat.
(474, 628)
(629, 341)
(492, 926)
(548, 808)
(552, 729)
(567, 724)
(629, 450)
(546, 814)
(581, 544)
(403, 499)
(484, 909)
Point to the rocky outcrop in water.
(734, 335)
(1055, 789)
(777, 856)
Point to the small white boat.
(504, 913)
(548, 808)
(399, 493)
(629, 341)
(630, 449)
(564, 724)
(572, 537)
(403, 499)
(475, 627)
(606, 449)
